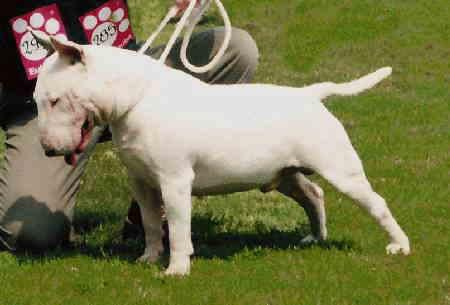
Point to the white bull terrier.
(180, 137)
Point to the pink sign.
(46, 19)
(108, 25)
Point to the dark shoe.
(106, 136)
(132, 227)
(131, 230)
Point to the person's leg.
(37, 193)
(238, 65)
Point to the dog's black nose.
(50, 153)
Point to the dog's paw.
(396, 248)
(309, 239)
(180, 267)
(149, 258)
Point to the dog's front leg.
(150, 204)
(176, 194)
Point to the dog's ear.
(43, 39)
(72, 51)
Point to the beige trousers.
(37, 194)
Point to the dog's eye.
(54, 102)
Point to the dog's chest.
(135, 155)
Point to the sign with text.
(46, 19)
(108, 24)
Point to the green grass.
(247, 245)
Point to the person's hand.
(182, 5)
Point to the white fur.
(179, 137)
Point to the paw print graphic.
(45, 19)
(108, 24)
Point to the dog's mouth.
(86, 135)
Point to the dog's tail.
(353, 87)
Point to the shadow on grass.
(208, 243)
(87, 221)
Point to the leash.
(189, 20)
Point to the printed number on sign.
(108, 25)
(107, 32)
(30, 46)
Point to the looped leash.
(191, 19)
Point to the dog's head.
(82, 85)
(62, 95)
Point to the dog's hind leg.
(345, 171)
(150, 204)
(310, 196)
(356, 186)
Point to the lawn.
(248, 248)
